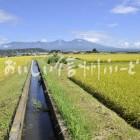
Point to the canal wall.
(58, 122)
(17, 125)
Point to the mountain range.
(73, 45)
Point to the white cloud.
(125, 44)
(43, 40)
(106, 39)
(129, 44)
(127, 7)
(3, 40)
(121, 9)
(92, 39)
(137, 44)
(92, 36)
(6, 17)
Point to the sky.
(109, 22)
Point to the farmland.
(96, 120)
(10, 90)
(118, 57)
(106, 113)
(119, 90)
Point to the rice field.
(85, 117)
(11, 84)
(17, 62)
(104, 57)
(114, 84)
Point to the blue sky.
(109, 22)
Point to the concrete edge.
(18, 122)
(57, 120)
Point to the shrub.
(55, 58)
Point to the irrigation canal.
(37, 123)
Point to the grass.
(10, 91)
(85, 117)
(117, 90)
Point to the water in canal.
(37, 123)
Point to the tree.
(94, 50)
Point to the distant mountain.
(74, 45)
